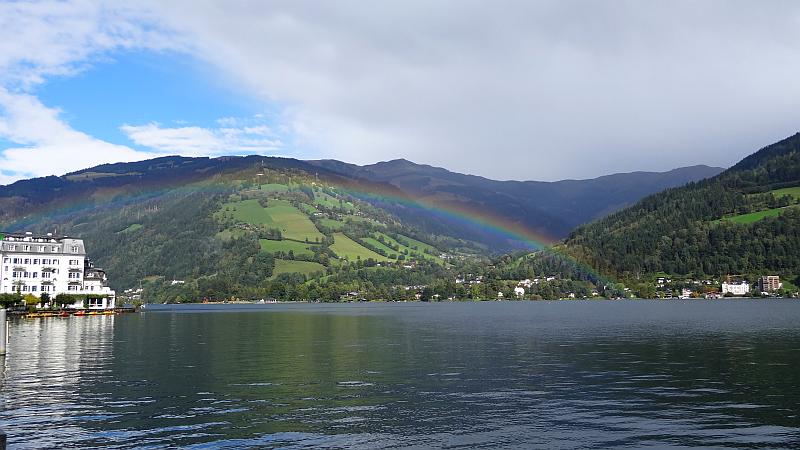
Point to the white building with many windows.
(53, 265)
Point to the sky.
(526, 90)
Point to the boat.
(108, 312)
(80, 313)
(63, 314)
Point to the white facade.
(741, 288)
(54, 265)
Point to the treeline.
(679, 231)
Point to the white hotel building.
(53, 265)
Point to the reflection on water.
(532, 374)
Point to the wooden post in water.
(3, 339)
(2, 440)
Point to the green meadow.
(344, 247)
(289, 266)
(297, 248)
(793, 192)
(278, 214)
(756, 216)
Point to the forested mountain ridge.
(746, 220)
(549, 208)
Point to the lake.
(567, 374)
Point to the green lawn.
(226, 235)
(248, 211)
(278, 214)
(334, 225)
(323, 199)
(345, 247)
(378, 244)
(756, 216)
(792, 192)
(273, 187)
(305, 267)
(285, 246)
(420, 246)
(133, 227)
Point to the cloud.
(49, 145)
(44, 39)
(198, 141)
(530, 90)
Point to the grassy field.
(345, 247)
(421, 246)
(335, 225)
(756, 216)
(305, 267)
(792, 192)
(323, 199)
(248, 211)
(378, 244)
(297, 248)
(273, 187)
(226, 235)
(278, 214)
(133, 227)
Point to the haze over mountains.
(552, 209)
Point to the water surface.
(568, 374)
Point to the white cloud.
(43, 39)
(49, 145)
(532, 90)
(197, 141)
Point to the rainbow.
(476, 219)
(480, 220)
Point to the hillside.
(548, 208)
(231, 228)
(745, 220)
(186, 229)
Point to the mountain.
(549, 208)
(744, 221)
(185, 229)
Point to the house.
(519, 292)
(47, 264)
(769, 283)
(685, 293)
(738, 288)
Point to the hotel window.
(74, 262)
(46, 274)
(55, 261)
(24, 288)
(16, 275)
(41, 248)
(26, 248)
(26, 275)
(72, 288)
(5, 260)
(45, 288)
(74, 249)
(16, 260)
(36, 261)
(74, 275)
(54, 249)
(35, 275)
(33, 288)
(27, 261)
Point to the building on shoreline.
(769, 283)
(52, 265)
(738, 288)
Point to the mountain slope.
(549, 208)
(745, 220)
